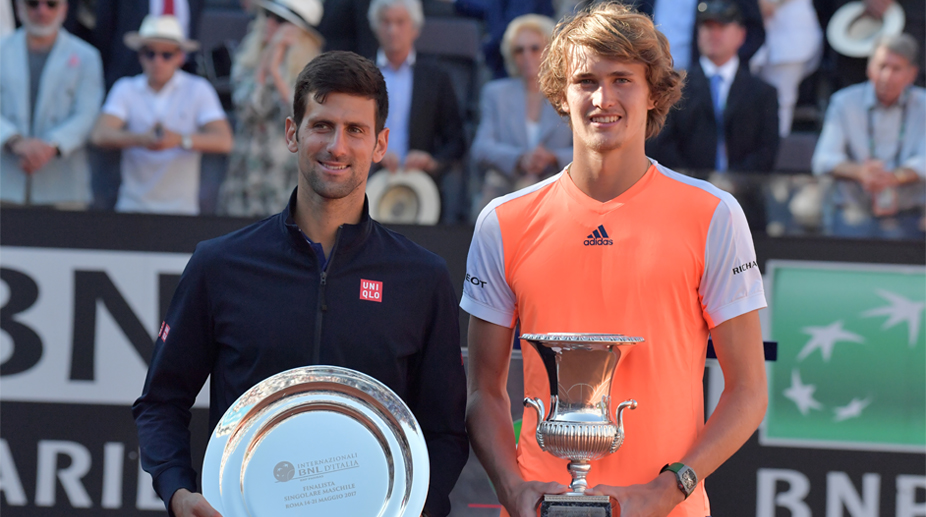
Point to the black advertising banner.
(83, 294)
(76, 459)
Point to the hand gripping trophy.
(579, 427)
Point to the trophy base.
(575, 506)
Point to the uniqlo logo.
(371, 290)
(165, 329)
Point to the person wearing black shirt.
(286, 292)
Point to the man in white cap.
(163, 120)
(50, 94)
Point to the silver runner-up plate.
(317, 440)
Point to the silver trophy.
(579, 426)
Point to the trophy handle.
(537, 404)
(619, 414)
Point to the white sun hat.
(159, 28)
(305, 14)
(403, 197)
(853, 32)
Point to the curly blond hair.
(614, 31)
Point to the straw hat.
(159, 28)
(306, 14)
(853, 32)
(404, 197)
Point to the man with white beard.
(50, 94)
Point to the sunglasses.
(51, 4)
(533, 49)
(149, 54)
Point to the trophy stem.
(579, 469)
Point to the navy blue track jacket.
(256, 302)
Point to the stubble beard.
(602, 143)
(334, 190)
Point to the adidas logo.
(599, 237)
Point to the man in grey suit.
(50, 94)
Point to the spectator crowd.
(115, 105)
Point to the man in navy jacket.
(286, 292)
(748, 110)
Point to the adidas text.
(599, 237)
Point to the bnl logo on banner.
(78, 329)
(851, 369)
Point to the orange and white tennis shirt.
(667, 260)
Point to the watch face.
(687, 477)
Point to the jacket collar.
(352, 236)
(381, 60)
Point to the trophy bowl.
(579, 426)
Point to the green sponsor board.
(851, 369)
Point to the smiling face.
(607, 101)
(336, 144)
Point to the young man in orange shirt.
(617, 243)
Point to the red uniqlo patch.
(165, 329)
(371, 290)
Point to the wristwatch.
(186, 142)
(684, 475)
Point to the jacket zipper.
(322, 302)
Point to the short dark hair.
(340, 71)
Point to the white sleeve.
(486, 293)
(732, 284)
(117, 102)
(210, 108)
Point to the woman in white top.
(792, 50)
(521, 139)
